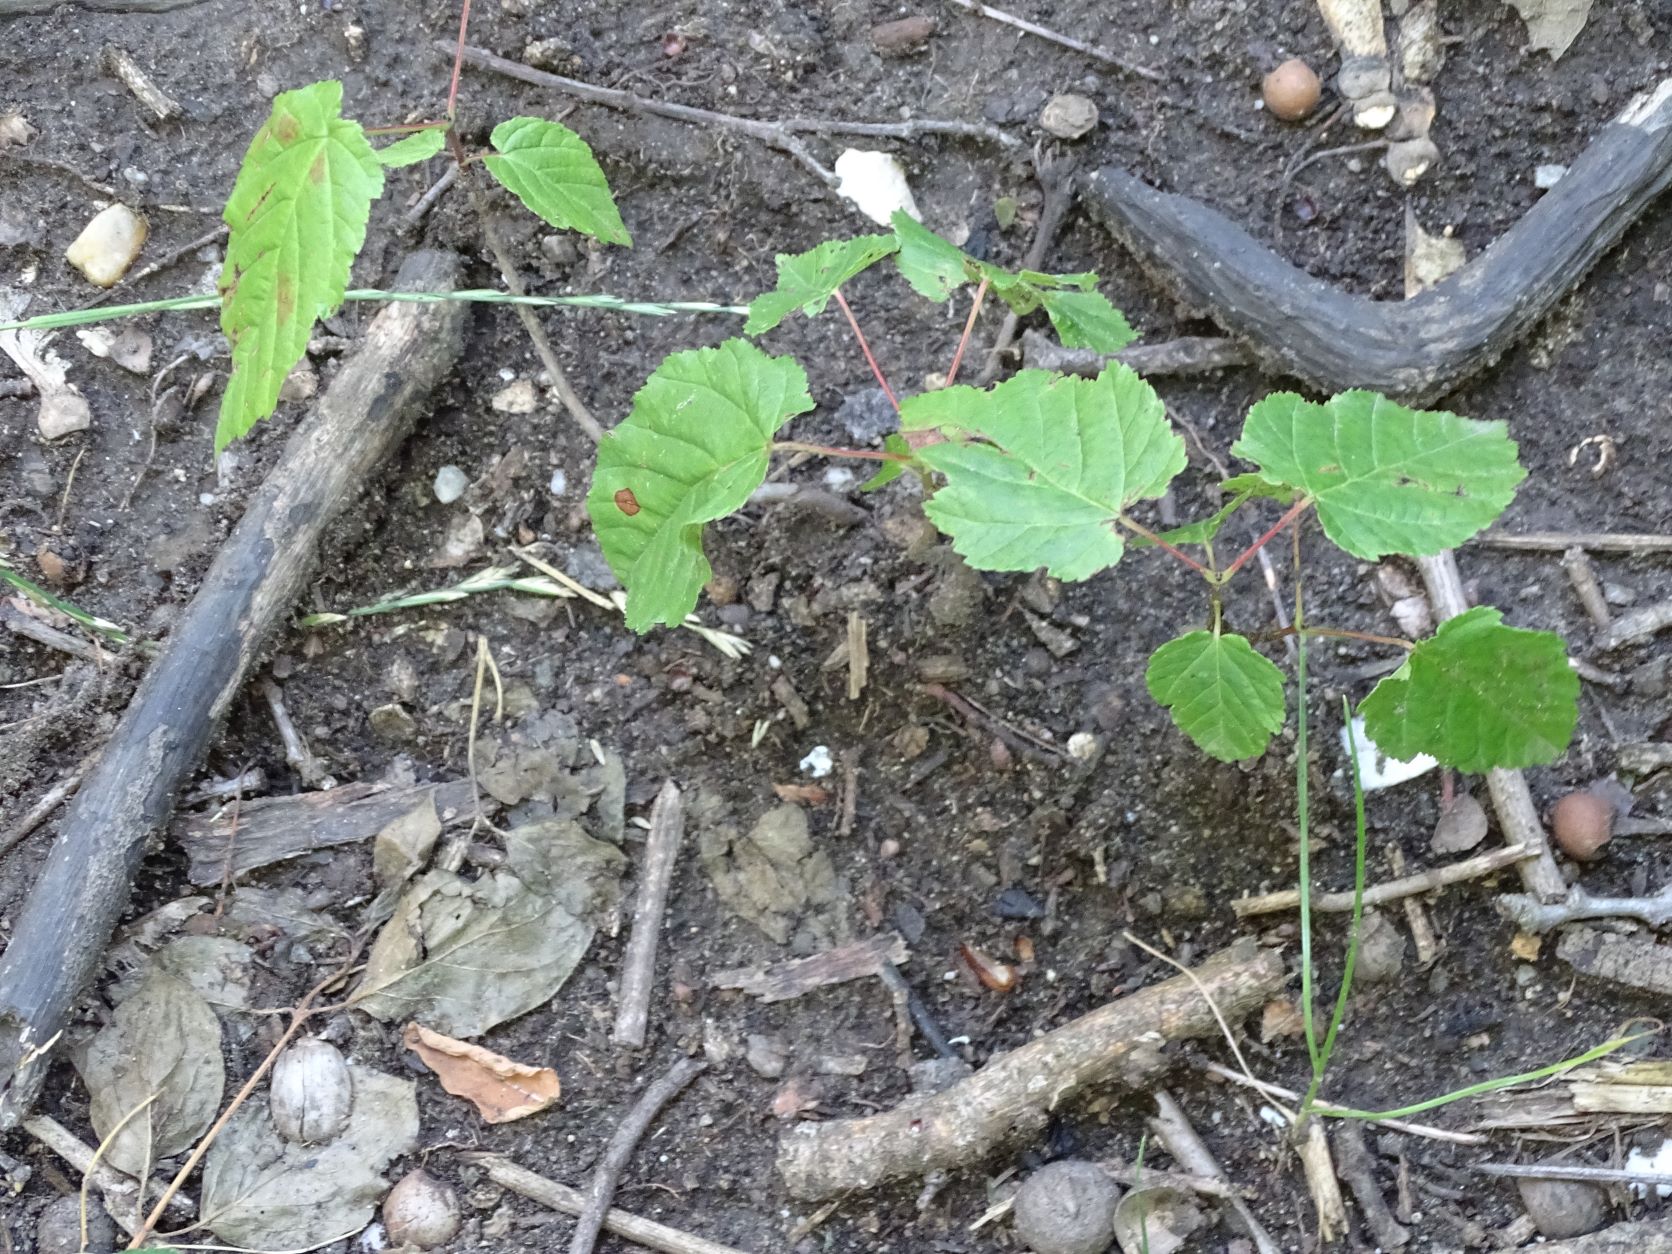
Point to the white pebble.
(516, 398)
(838, 478)
(1547, 176)
(1083, 746)
(108, 245)
(450, 483)
(818, 763)
(560, 482)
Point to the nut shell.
(311, 1093)
(420, 1210)
(1291, 91)
(1582, 823)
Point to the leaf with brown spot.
(298, 218)
(501, 1089)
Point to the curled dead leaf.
(999, 976)
(802, 794)
(502, 1090)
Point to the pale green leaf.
(933, 267)
(413, 148)
(693, 449)
(1200, 532)
(1088, 320)
(1058, 460)
(889, 471)
(297, 215)
(1222, 694)
(1476, 695)
(808, 280)
(1386, 479)
(553, 172)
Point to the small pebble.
(902, 37)
(108, 245)
(818, 763)
(1068, 115)
(1564, 1208)
(1018, 903)
(450, 483)
(516, 398)
(1291, 90)
(1381, 950)
(1067, 1208)
(1547, 176)
(559, 484)
(767, 1056)
(1582, 823)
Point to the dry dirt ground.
(951, 842)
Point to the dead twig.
(785, 980)
(1583, 576)
(1531, 915)
(38, 813)
(1174, 1130)
(296, 752)
(115, 61)
(1426, 1131)
(560, 1197)
(1635, 626)
(626, 1139)
(1359, 1171)
(1416, 917)
(1391, 890)
(1022, 741)
(1187, 355)
(121, 1191)
(1063, 41)
(638, 972)
(1056, 177)
(21, 624)
(427, 201)
(1571, 1171)
(906, 995)
(1590, 541)
(1318, 1167)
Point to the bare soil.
(1149, 836)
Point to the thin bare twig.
(1591, 541)
(1172, 1127)
(1583, 576)
(1358, 1170)
(1056, 177)
(1573, 1171)
(1392, 890)
(121, 1189)
(1426, 1131)
(638, 973)
(1064, 41)
(296, 751)
(1531, 915)
(19, 623)
(1635, 626)
(621, 1147)
(38, 813)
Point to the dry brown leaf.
(1281, 1017)
(1525, 946)
(1461, 827)
(802, 794)
(502, 1090)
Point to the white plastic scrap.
(1658, 1164)
(876, 183)
(63, 408)
(1376, 769)
(818, 763)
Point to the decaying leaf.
(15, 130)
(1461, 827)
(216, 966)
(263, 1192)
(63, 408)
(467, 954)
(162, 1042)
(1280, 1017)
(402, 848)
(774, 877)
(1552, 25)
(1428, 258)
(1156, 1219)
(501, 1089)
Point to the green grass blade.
(40, 596)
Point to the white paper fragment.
(1659, 1163)
(1376, 769)
(876, 183)
(818, 763)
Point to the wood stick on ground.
(1571, 1171)
(1512, 801)
(1531, 915)
(1391, 890)
(17, 8)
(560, 1197)
(784, 980)
(1056, 177)
(1415, 349)
(638, 971)
(1177, 1135)
(38, 813)
(58, 939)
(1416, 915)
(115, 61)
(1583, 576)
(1013, 1096)
(783, 134)
(1635, 626)
(1423, 1130)
(1591, 541)
(1358, 1169)
(621, 1147)
(1187, 355)
(1061, 40)
(1319, 1170)
(21, 624)
(1646, 1236)
(296, 752)
(120, 1190)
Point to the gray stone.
(1067, 1208)
(450, 483)
(1564, 1208)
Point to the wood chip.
(783, 980)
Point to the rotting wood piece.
(1415, 349)
(1013, 1096)
(784, 980)
(22, 8)
(1624, 960)
(257, 577)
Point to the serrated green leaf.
(1222, 694)
(553, 172)
(1253, 484)
(1058, 461)
(1088, 320)
(893, 442)
(1476, 695)
(808, 280)
(693, 449)
(413, 148)
(933, 267)
(297, 216)
(1200, 532)
(1386, 479)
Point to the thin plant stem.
(1303, 818)
(1293, 512)
(826, 450)
(1354, 928)
(458, 60)
(1334, 633)
(865, 348)
(486, 296)
(1139, 529)
(1138, 1191)
(969, 326)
